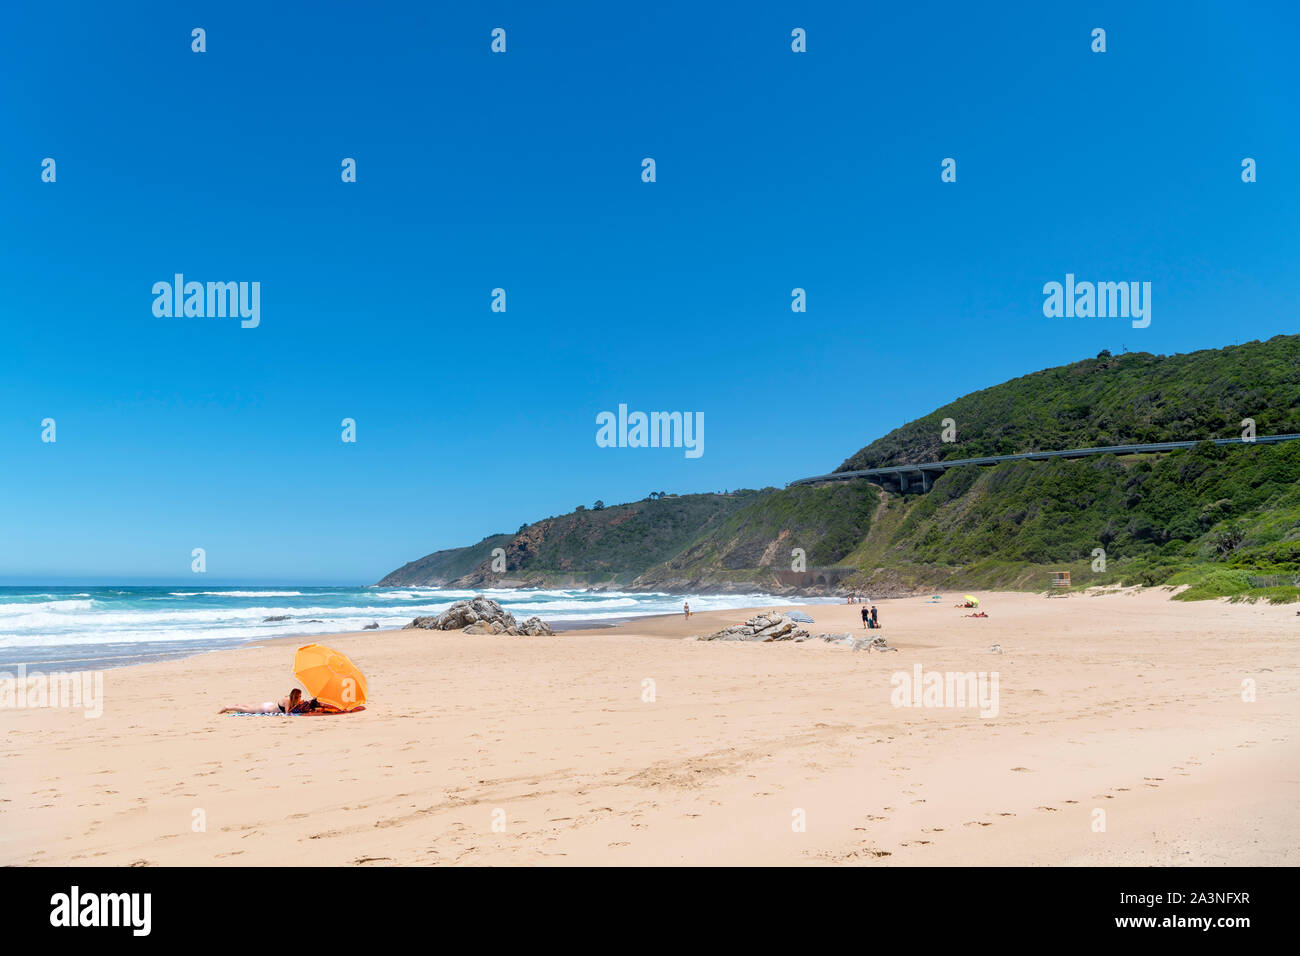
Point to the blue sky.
(477, 170)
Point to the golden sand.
(632, 746)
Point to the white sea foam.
(540, 607)
(236, 593)
(115, 620)
(43, 607)
(410, 595)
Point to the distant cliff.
(592, 547)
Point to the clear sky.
(522, 170)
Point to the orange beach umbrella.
(329, 676)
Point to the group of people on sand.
(870, 617)
(294, 703)
(971, 604)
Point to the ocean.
(77, 628)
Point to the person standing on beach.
(875, 618)
(686, 609)
(866, 616)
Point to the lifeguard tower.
(1060, 584)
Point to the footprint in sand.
(978, 823)
(1021, 770)
(1052, 809)
(1006, 813)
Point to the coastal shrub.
(1130, 398)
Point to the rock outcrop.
(762, 627)
(476, 610)
(778, 627)
(867, 644)
(481, 615)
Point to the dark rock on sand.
(371, 627)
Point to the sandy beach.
(482, 750)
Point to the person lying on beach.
(292, 704)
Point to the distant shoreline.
(77, 628)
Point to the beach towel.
(314, 713)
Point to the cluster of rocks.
(762, 627)
(778, 627)
(532, 627)
(481, 615)
(867, 644)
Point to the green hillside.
(1135, 398)
(826, 522)
(1224, 520)
(1211, 516)
(610, 545)
(443, 567)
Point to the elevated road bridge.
(921, 476)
